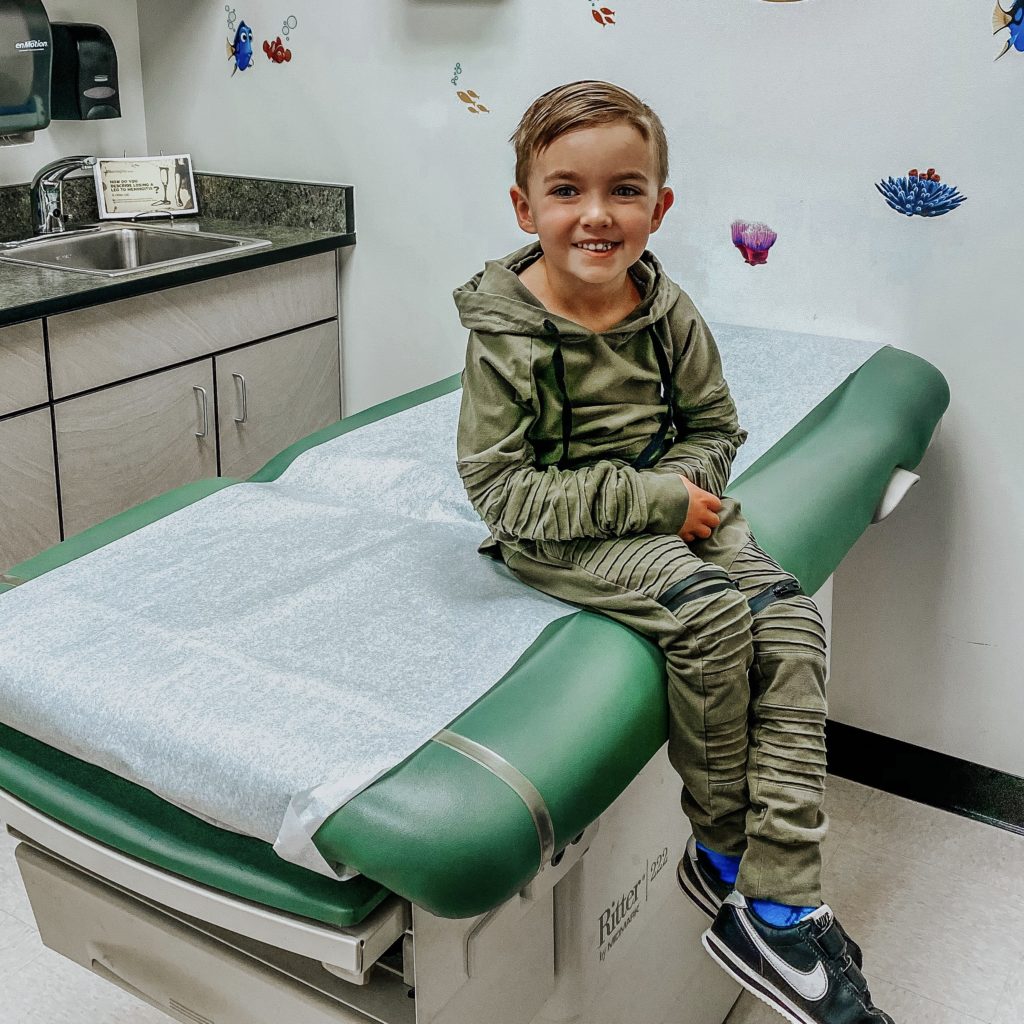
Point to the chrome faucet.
(47, 207)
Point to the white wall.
(782, 112)
(103, 138)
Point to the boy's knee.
(792, 626)
(715, 616)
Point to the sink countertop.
(28, 293)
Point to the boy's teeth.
(595, 246)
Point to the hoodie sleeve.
(519, 501)
(709, 430)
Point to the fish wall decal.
(1013, 19)
(241, 49)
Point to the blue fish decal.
(241, 48)
(1013, 19)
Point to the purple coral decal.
(753, 240)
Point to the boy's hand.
(700, 515)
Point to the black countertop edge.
(112, 289)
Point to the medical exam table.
(518, 868)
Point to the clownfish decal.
(1013, 19)
(277, 51)
(241, 49)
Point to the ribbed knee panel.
(788, 696)
(709, 695)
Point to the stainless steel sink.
(116, 249)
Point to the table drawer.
(107, 343)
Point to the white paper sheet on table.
(262, 656)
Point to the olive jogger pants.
(746, 691)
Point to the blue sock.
(727, 866)
(781, 915)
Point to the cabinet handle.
(206, 415)
(245, 410)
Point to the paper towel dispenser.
(84, 73)
(26, 46)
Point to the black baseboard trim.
(917, 773)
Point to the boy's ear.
(665, 200)
(522, 207)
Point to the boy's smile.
(593, 198)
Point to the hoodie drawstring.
(559, 365)
(654, 449)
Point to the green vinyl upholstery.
(579, 714)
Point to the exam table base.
(602, 937)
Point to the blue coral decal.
(920, 194)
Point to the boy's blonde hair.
(583, 105)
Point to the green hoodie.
(554, 416)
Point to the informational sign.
(152, 186)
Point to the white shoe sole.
(752, 982)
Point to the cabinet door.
(272, 394)
(123, 445)
(22, 367)
(28, 491)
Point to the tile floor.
(936, 901)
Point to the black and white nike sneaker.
(804, 971)
(701, 882)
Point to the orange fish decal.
(471, 98)
(276, 51)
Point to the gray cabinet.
(148, 393)
(126, 444)
(22, 367)
(274, 393)
(28, 489)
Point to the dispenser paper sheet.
(262, 656)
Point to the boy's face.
(598, 185)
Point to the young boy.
(595, 441)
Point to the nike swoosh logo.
(812, 985)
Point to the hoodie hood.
(495, 301)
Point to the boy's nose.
(595, 212)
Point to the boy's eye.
(565, 191)
(629, 190)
